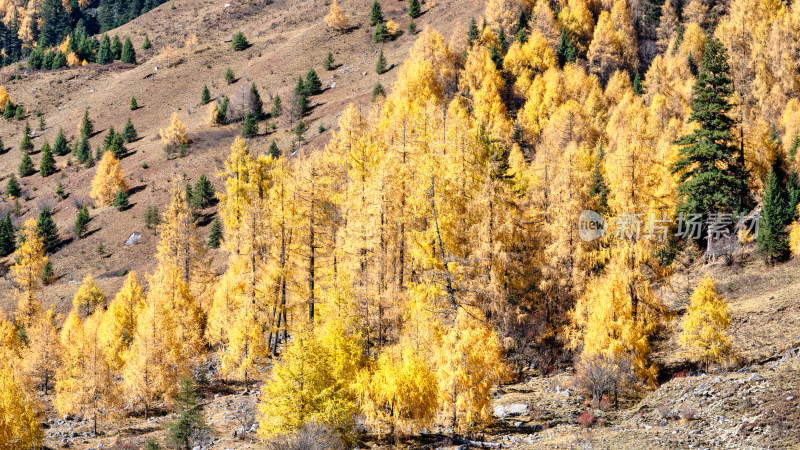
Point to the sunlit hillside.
(303, 225)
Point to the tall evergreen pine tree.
(710, 168)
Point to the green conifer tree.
(60, 147)
(128, 53)
(312, 84)
(214, 234)
(47, 165)
(239, 42)
(376, 14)
(328, 63)
(26, 144)
(205, 96)
(378, 91)
(104, 55)
(7, 238)
(13, 188)
(47, 230)
(26, 166)
(134, 105)
(229, 76)
(203, 195)
(146, 44)
(87, 126)
(254, 104)
(249, 125)
(81, 222)
(414, 9)
(129, 134)
(710, 169)
(380, 67)
(121, 200)
(116, 48)
(274, 151)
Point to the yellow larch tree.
(19, 424)
(314, 381)
(504, 14)
(42, 357)
(174, 135)
(4, 98)
(88, 297)
(399, 391)
(86, 383)
(27, 271)
(605, 52)
(470, 362)
(144, 374)
(528, 59)
(543, 20)
(667, 26)
(108, 180)
(119, 322)
(707, 318)
(485, 85)
(578, 23)
(336, 18)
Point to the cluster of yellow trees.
(391, 273)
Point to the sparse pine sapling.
(312, 84)
(128, 53)
(26, 165)
(274, 151)
(129, 134)
(249, 125)
(60, 193)
(239, 42)
(277, 107)
(47, 166)
(376, 14)
(328, 63)
(205, 96)
(81, 221)
(47, 273)
(87, 126)
(414, 9)
(300, 129)
(116, 48)
(134, 106)
(146, 44)
(47, 230)
(60, 147)
(214, 234)
(13, 188)
(380, 67)
(121, 200)
(381, 33)
(152, 218)
(229, 76)
(378, 92)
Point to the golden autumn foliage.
(42, 357)
(336, 18)
(19, 425)
(313, 381)
(174, 135)
(4, 98)
(108, 180)
(88, 297)
(30, 259)
(704, 333)
(119, 322)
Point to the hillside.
(564, 224)
(287, 38)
